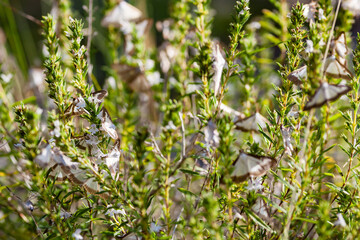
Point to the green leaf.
(186, 192)
(258, 220)
(190, 172)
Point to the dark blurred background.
(30, 33)
(28, 40)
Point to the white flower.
(77, 234)
(309, 46)
(80, 103)
(309, 11)
(340, 221)
(93, 129)
(254, 185)
(170, 126)
(154, 78)
(321, 14)
(18, 145)
(112, 82)
(149, 64)
(254, 25)
(112, 212)
(6, 77)
(57, 128)
(154, 227)
(64, 214)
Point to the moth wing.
(335, 91)
(219, 63)
(121, 14)
(259, 166)
(133, 76)
(260, 208)
(317, 100)
(341, 46)
(334, 68)
(112, 162)
(107, 124)
(143, 26)
(298, 75)
(91, 185)
(241, 168)
(129, 12)
(43, 159)
(75, 173)
(252, 123)
(69, 111)
(326, 92)
(99, 95)
(57, 172)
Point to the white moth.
(98, 96)
(298, 75)
(112, 159)
(251, 123)
(337, 69)
(248, 165)
(339, 46)
(261, 209)
(286, 135)
(133, 76)
(106, 124)
(326, 93)
(121, 14)
(43, 159)
(219, 63)
(211, 135)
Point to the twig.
(89, 37)
(329, 41)
(183, 148)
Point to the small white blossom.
(81, 103)
(254, 25)
(321, 14)
(322, 42)
(77, 234)
(112, 212)
(309, 46)
(93, 129)
(254, 185)
(340, 221)
(56, 131)
(64, 214)
(18, 145)
(112, 82)
(154, 78)
(170, 126)
(154, 227)
(6, 77)
(67, 34)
